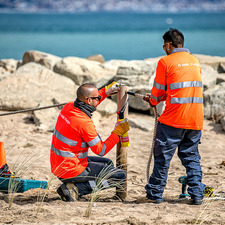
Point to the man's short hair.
(174, 36)
(85, 90)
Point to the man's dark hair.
(174, 36)
(84, 91)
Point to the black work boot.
(196, 201)
(68, 192)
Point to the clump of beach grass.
(20, 168)
(102, 182)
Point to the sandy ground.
(25, 147)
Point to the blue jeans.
(166, 141)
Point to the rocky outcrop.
(214, 61)
(209, 76)
(214, 102)
(96, 58)
(42, 58)
(43, 79)
(107, 107)
(85, 71)
(8, 66)
(137, 75)
(32, 84)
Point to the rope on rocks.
(32, 109)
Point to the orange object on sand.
(2, 155)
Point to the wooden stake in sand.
(121, 153)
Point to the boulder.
(46, 119)
(138, 76)
(42, 58)
(9, 65)
(221, 67)
(85, 71)
(213, 61)
(209, 76)
(33, 83)
(142, 124)
(3, 73)
(220, 78)
(214, 102)
(223, 123)
(138, 103)
(97, 58)
(107, 107)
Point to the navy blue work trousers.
(166, 141)
(99, 173)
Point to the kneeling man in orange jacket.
(74, 134)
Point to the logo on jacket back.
(64, 118)
(188, 64)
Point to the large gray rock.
(138, 103)
(31, 84)
(142, 124)
(220, 78)
(46, 119)
(214, 102)
(85, 71)
(209, 76)
(223, 123)
(213, 61)
(42, 58)
(137, 76)
(221, 67)
(107, 107)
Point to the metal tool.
(135, 94)
(183, 181)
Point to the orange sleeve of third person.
(158, 92)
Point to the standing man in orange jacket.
(178, 82)
(74, 134)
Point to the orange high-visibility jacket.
(178, 81)
(74, 133)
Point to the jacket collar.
(180, 50)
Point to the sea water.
(128, 36)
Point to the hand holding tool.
(112, 88)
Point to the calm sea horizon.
(128, 36)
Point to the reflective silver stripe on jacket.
(68, 141)
(82, 155)
(186, 84)
(62, 153)
(94, 141)
(159, 86)
(103, 150)
(156, 98)
(186, 100)
(64, 139)
(84, 145)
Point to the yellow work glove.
(125, 141)
(121, 128)
(113, 88)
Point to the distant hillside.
(74, 6)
